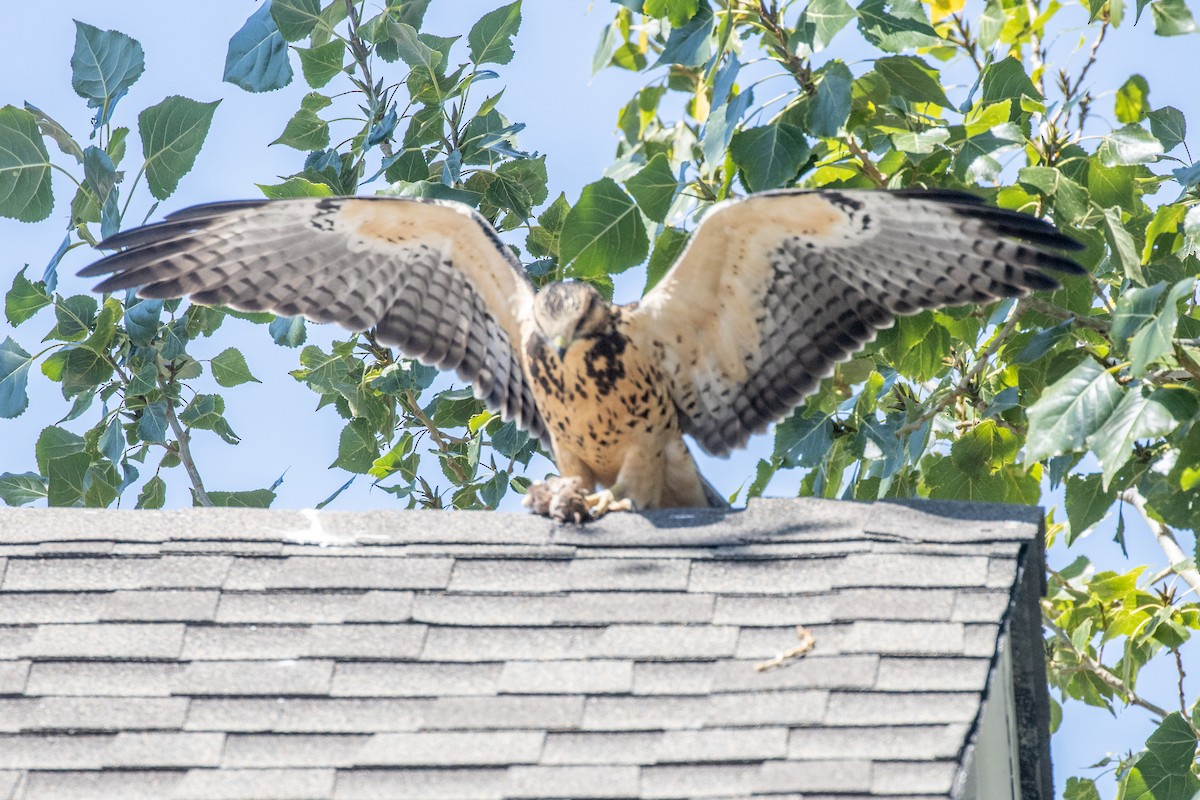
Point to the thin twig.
(868, 166)
(443, 446)
(182, 438)
(1166, 540)
(1050, 310)
(965, 382)
(1100, 671)
(1182, 674)
(362, 57)
(797, 66)
(807, 640)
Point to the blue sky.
(570, 117)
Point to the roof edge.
(764, 521)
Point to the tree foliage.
(1090, 391)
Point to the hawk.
(770, 293)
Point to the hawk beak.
(560, 345)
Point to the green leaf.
(101, 484)
(67, 483)
(288, 331)
(802, 441)
(603, 232)
(229, 368)
(55, 443)
(414, 52)
(433, 190)
(916, 346)
(1120, 242)
(257, 59)
(152, 424)
(896, 25)
(977, 159)
(543, 237)
(83, 371)
(357, 448)
(1087, 501)
(1155, 339)
(920, 142)
(1168, 126)
(490, 39)
(492, 491)
(667, 248)
(19, 489)
(257, 498)
(172, 134)
(690, 45)
(506, 193)
(610, 40)
(1172, 18)
(947, 482)
(320, 64)
(1133, 100)
(830, 107)
(827, 18)
(1070, 411)
(1007, 80)
(654, 187)
(530, 173)
(24, 299)
(1131, 144)
(984, 449)
(1141, 414)
(62, 137)
(1070, 199)
(1135, 307)
(294, 187)
(153, 494)
(1166, 220)
(914, 80)
(305, 131)
(1113, 186)
(14, 378)
(295, 18)
(75, 316)
(204, 412)
(103, 67)
(1164, 772)
(25, 192)
(770, 156)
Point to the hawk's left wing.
(775, 289)
(431, 277)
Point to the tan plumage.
(772, 291)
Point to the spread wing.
(430, 277)
(775, 289)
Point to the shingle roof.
(238, 653)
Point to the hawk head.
(568, 311)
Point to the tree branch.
(868, 166)
(1100, 671)
(1165, 538)
(1050, 310)
(414, 408)
(182, 437)
(797, 66)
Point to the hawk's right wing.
(775, 289)
(431, 278)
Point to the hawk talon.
(602, 502)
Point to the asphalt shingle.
(251, 654)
